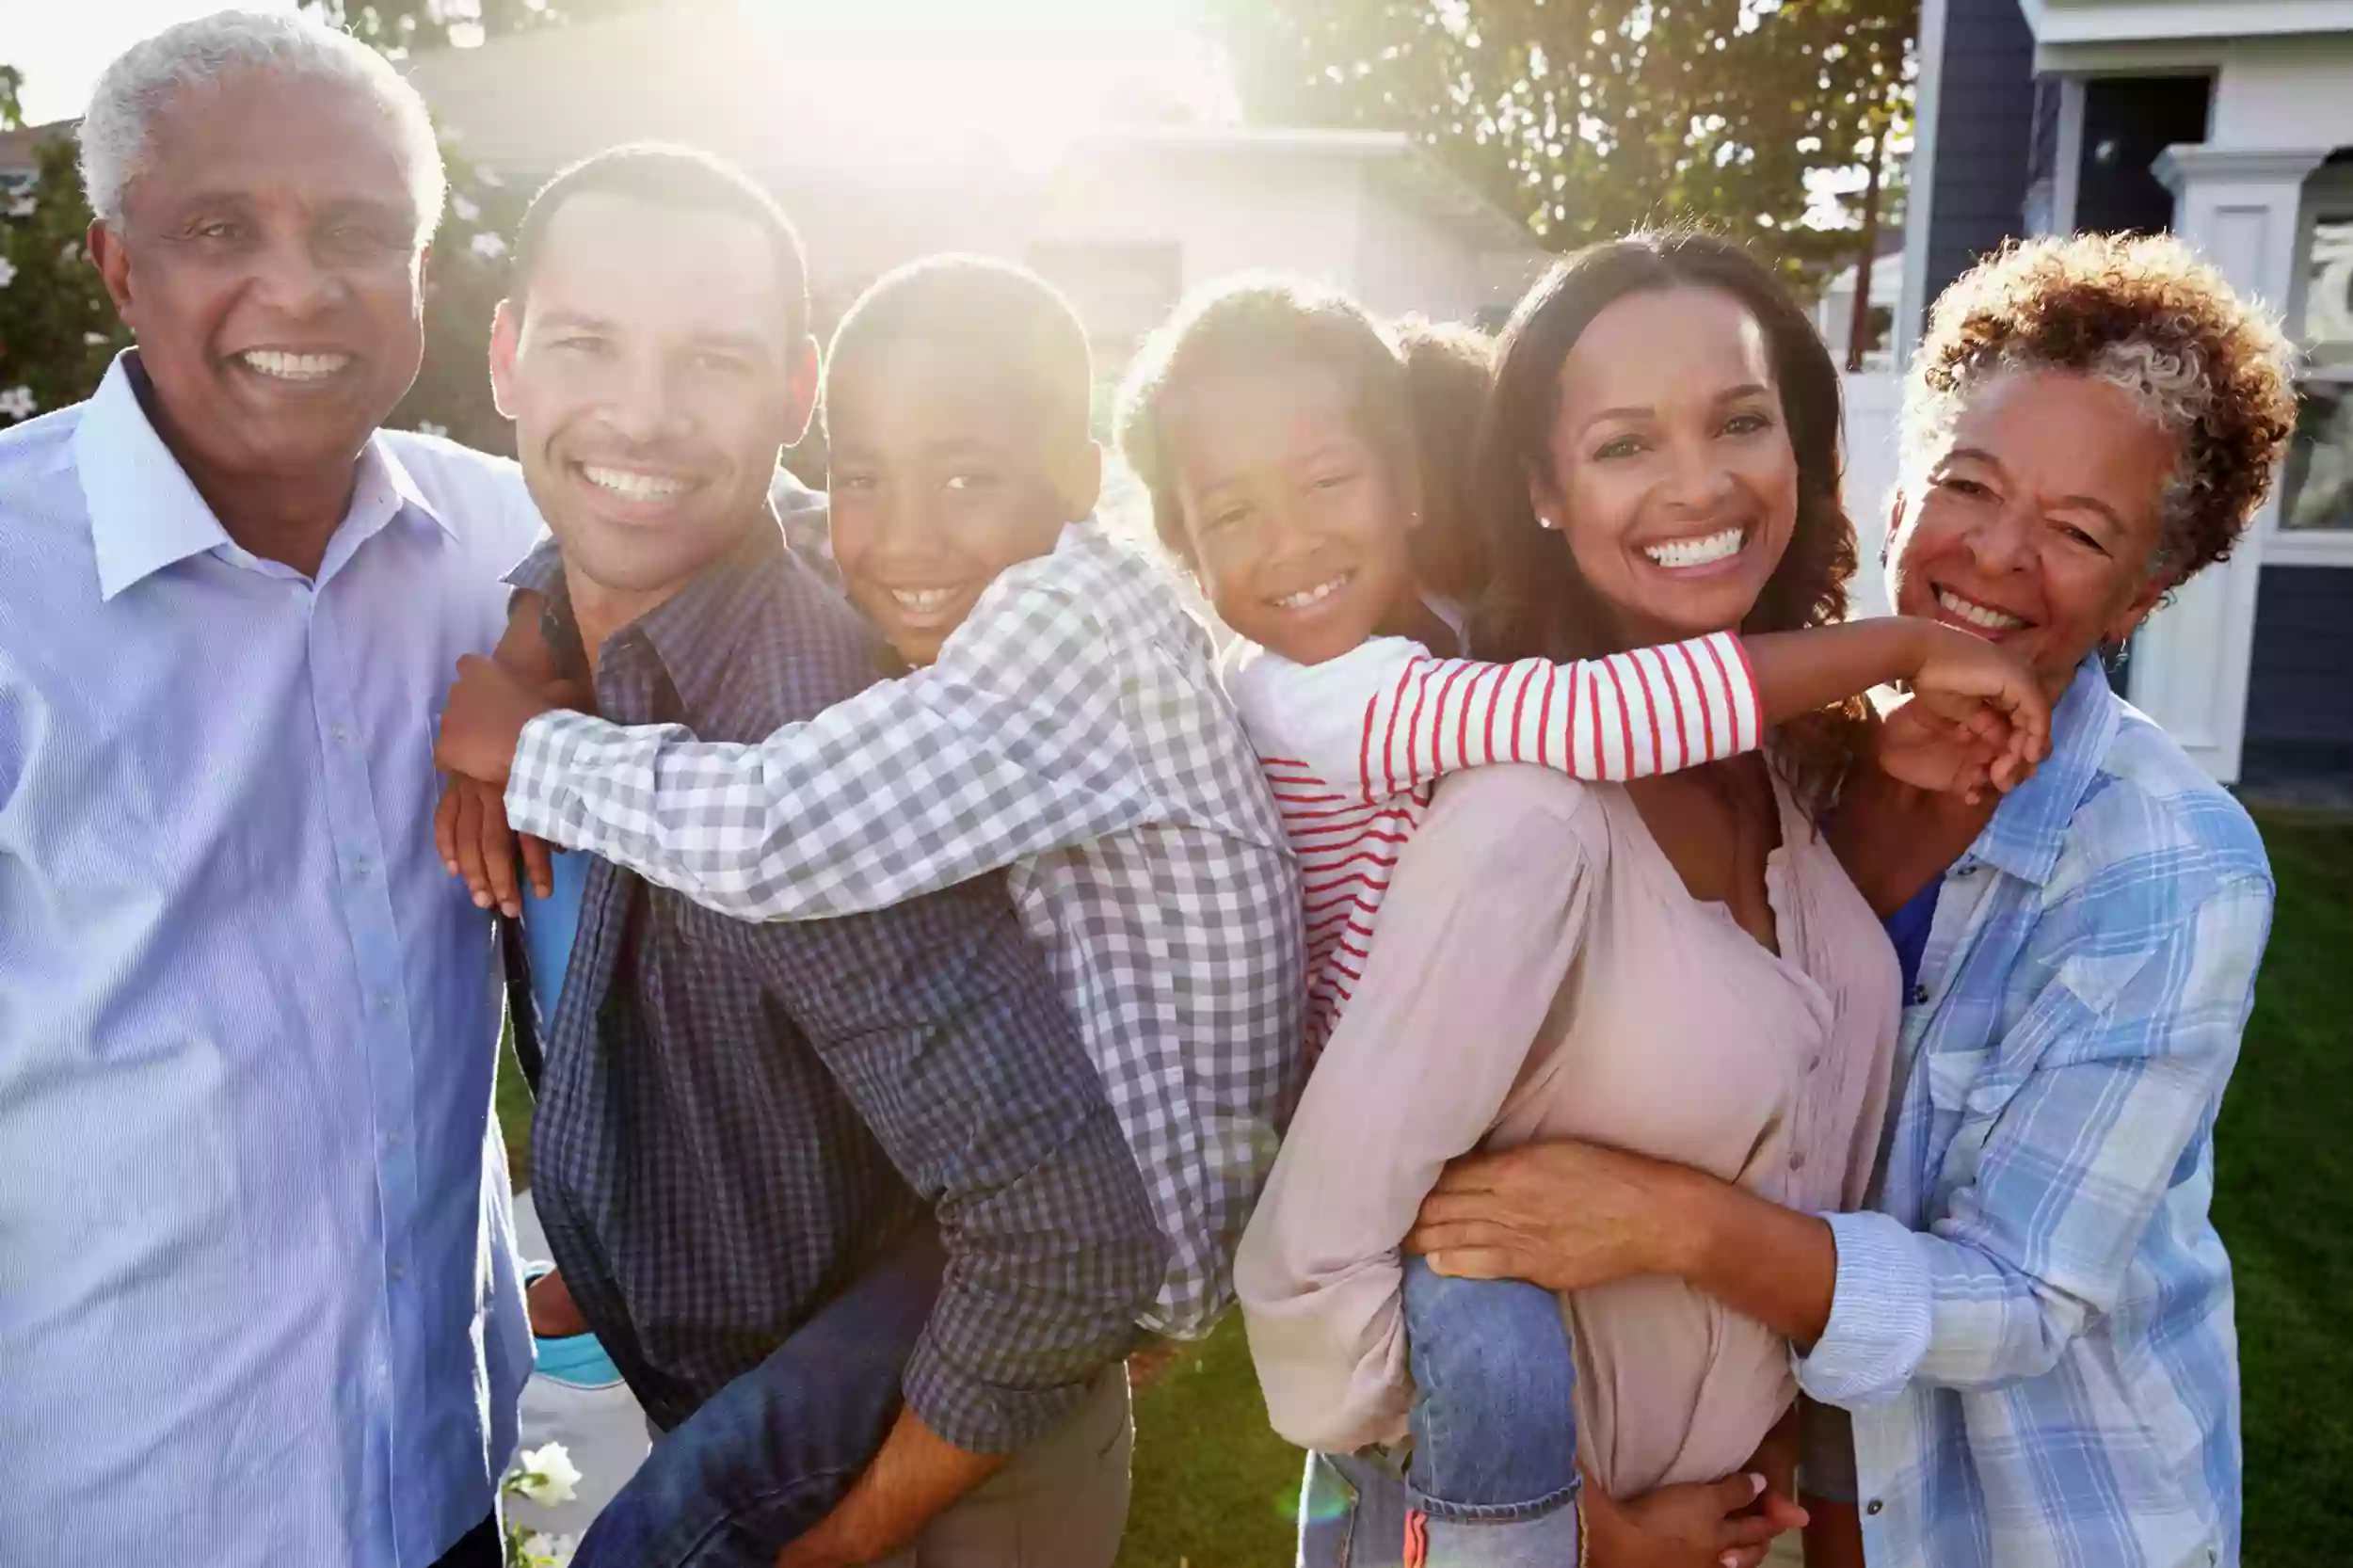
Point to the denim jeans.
(1493, 1469)
(769, 1455)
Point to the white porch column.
(2188, 670)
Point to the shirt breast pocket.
(1970, 1088)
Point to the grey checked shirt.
(735, 1118)
(1072, 732)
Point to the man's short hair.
(117, 130)
(682, 178)
(1005, 319)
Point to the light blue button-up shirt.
(2033, 1330)
(256, 1293)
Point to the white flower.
(91, 340)
(490, 246)
(71, 250)
(548, 1475)
(18, 403)
(467, 211)
(549, 1551)
(426, 428)
(24, 204)
(7, 272)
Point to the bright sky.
(1151, 45)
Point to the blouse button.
(1919, 995)
(1796, 1159)
(1875, 1506)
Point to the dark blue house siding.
(1985, 121)
(2299, 690)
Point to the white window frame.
(2328, 197)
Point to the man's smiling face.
(268, 261)
(654, 367)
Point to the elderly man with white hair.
(257, 1298)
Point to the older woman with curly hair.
(2031, 1330)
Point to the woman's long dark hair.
(1536, 603)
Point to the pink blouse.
(1541, 971)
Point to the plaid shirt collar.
(688, 635)
(2030, 825)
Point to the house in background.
(2230, 123)
(1124, 217)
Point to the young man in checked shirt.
(791, 1171)
(1072, 735)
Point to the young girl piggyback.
(1306, 463)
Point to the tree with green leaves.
(57, 329)
(1585, 118)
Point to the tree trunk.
(1858, 324)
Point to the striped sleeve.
(1652, 711)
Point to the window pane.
(2329, 297)
(2319, 485)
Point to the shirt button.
(361, 868)
(401, 1272)
(1919, 995)
(1966, 871)
(1814, 1063)
(384, 1001)
(1796, 1159)
(343, 734)
(1874, 1507)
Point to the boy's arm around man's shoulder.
(1017, 742)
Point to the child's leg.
(769, 1454)
(1492, 1476)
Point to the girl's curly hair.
(2142, 313)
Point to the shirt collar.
(2030, 825)
(695, 631)
(145, 515)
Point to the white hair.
(150, 77)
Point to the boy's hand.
(484, 721)
(470, 829)
(1983, 688)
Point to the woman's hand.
(1730, 1522)
(1566, 1215)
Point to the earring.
(1544, 520)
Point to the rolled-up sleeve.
(2130, 1054)
(1483, 919)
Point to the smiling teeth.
(1978, 614)
(1698, 553)
(1316, 595)
(294, 367)
(923, 602)
(631, 484)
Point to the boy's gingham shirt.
(1072, 731)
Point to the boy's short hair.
(1003, 317)
(684, 178)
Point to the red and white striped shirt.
(1353, 747)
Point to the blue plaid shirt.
(2033, 1332)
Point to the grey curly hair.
(2143, 313)
(148, 77)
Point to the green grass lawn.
(2284, 1202)
(1214, 1488)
